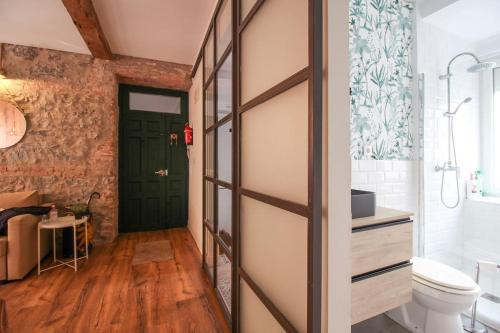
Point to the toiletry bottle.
(469, 186)
(479, 182)
(53, 214)
(472, 186)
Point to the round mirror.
(12, 125)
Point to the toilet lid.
(440, 274)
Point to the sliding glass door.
(262, 68)
(218, 154)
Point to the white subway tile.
(359, 178)
(367, 165)
(384, 189)
(400, 188)
(376, 177)
(367, 187)
(401, 165)
(384, 165)
(354, 165)
(392, 176)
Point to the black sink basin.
(362, 203)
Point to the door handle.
(162, 173)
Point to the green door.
(153, 166)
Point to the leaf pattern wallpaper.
(380, 42)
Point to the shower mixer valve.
(446, 167)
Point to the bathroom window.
(490, 130)
(495, 133)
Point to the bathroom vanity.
(381, 249)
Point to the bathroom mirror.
(12, 125)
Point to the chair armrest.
(22, 245)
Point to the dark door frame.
(122, 99)
(313, 74)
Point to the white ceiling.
(473, 20)
(168, 30)
(40, 23)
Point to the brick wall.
(70, 102)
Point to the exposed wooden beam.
(85, 18)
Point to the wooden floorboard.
(108, 294)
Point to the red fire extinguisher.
(188, 135)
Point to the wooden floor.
(110, 295)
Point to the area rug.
(153, 251)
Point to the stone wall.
(71, 104)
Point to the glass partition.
(224, 212)
(218, 152)
(262, 184)
(224, 152)
(225, 89)
(208, 56)
(223, 23)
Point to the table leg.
(38, 250)
(74, 246)
(86, 242)
(54, 244)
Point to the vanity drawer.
(379, 246)
(379, 292)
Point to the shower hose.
(443, 170)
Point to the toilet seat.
(442, 277)
(443, 289)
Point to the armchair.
(18, 249)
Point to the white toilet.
(440, 294)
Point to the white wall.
(195, 213)
(339, 169)
(395, 184)
(444, 229)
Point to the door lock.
(162, 173)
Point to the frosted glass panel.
(209, 154)
(224, 218)
(273, 49)
(274, 146)
(223, 28)
(274, 255)
(209, 203)
(224, 152)
(209, 106)
(224, 277)
(209, 253)
(154, 103)
(208, 55)
(496, 127)
(254, 315)
(225, 89)
(245, 7)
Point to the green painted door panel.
(149, 201)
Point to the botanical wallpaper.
(380, 37)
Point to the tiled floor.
(379, 324)
(383, 324)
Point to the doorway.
(153, 164)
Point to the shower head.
(465, 101)
(481, 66)
(477, 67)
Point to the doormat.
(154, 251)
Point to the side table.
(63, 222)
